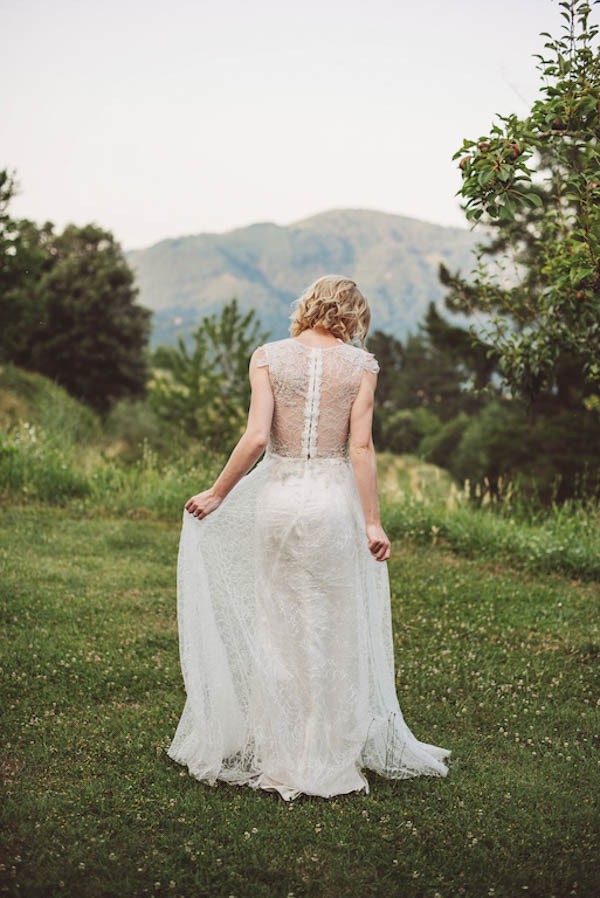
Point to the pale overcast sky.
(156, 119)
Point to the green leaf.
(485, 176)
(506, 212)
(579, 274)
(535, 199)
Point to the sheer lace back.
(314, 388)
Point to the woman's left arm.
(250, 447)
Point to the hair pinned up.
(335, 303)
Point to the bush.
(439, 446)
(404, 429)
(131, 425)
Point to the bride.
(283, 606)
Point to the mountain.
(393, 259)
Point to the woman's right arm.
(364, 464)
(250, 446)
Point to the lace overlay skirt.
(285, 640)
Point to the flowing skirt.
(285, 640)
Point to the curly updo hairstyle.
(335, 303)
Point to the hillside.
(34, 401)
(393, 259)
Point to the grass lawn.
(497, 663)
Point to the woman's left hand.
(202, 504)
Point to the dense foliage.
(535, 183)
(440, 397)
(68, 309)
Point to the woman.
(283, 590)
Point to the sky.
(159, 119)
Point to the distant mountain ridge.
(393, 259)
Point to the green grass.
(35, 399)
(494, 661)
(564, 540)
(421, 502)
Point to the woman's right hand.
(203, 503)
(379, 545)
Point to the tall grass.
(53, 451)
(565, 539)
(89, 480)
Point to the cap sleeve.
(262, 357)
(370, 362)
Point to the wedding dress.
(284, 617)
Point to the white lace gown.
(284, 617)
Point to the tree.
(535, 184)
(476, 359)
(426, 382)
(24, 256)
(549, 458)
(430, 378)
(390, 354)
(93, 336)
(204, 391)
(67, 307)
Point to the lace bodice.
(314, 388)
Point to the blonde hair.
(335, 303)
